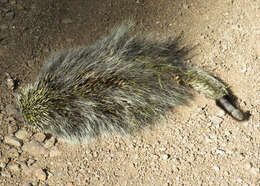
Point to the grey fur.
(120, 84)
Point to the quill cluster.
(120, 84)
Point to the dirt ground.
(200, 145)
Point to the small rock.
(244, 69)
(27, 184)
(22, 134)
(12, 140)
(239, 180)
(30, 162)
(50, 142)
(162, 149)
(66, 21)
(216, 168)
(216, 120)
(22, 164)
(12, 127)
(10, 15)
(165, 156)
(11, 110)
(155, 156)
(13, 153)
(40, 137)
(55, 152)
(34, 148)
(10, 82)
(227, 133)
(2, 165)
(40, 174)
(14, 167)
(219, 151)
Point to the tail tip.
(237, 114)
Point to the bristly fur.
(120, 84)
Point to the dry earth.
(200, 145)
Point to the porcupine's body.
(120, 84)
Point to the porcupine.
(121, 83)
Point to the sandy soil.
(200, 145)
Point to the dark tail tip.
(226, 104)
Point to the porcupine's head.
(33, 102)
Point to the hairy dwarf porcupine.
(120, 84)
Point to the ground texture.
(200, 145)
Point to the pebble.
(40, 174)
(67, 21)
(10, 82)
(11, 110)
(40, 137)
(162, 149)
(50, 142)
(219, 151)
(2, 165)
(12, 140)
(27, 184)
(13, 153)
(12, 127)
(22, 164)
(30, 162)
(239, 180)
(55, 152)
(216, 168)
(22, 134)
(216, 120)
(165, 156)
(227, 133)
(34, 148)
(14, 167)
